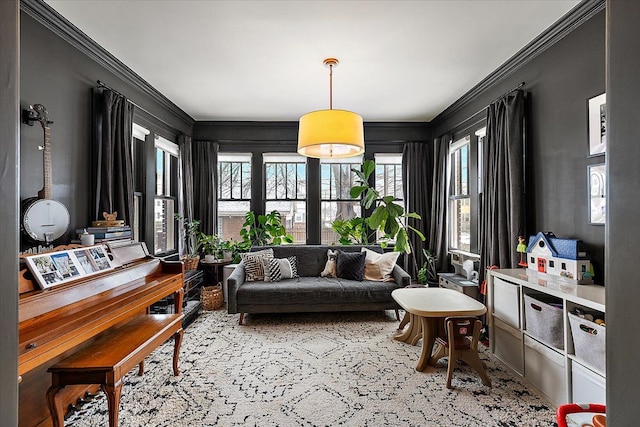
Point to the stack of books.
(107, 234)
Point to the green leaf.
(402, 242)
(418, 232)
(368, 167)
(356, 191)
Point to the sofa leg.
(241, 317)
(397, 315)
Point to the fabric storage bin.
(506, 302)
(543, 320)
(588, 341)
(586, 385)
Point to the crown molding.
(53, 21)
(569, 22)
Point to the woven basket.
(191, 263)
(211, 297)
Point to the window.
(137, 148)
(459, 197)
(234, 193)
(336, 180)
(388, 177)
(285, 190)
(165, 201)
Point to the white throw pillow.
(377, 266)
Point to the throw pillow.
(330, 266)
(276, 269)
(378, 267)
(253, 267)
(350, 265)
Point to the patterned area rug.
(322, 369)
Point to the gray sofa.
(310, 292)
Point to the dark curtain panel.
(416, 159)
(502, 212)
(113, 163)
(205, 180)
(186, 173)
(439, 197)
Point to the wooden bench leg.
(177, 337)
(141, 369)
(241, 317)
(113, 401)
(55, 406)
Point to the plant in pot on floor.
(388, 218)
(427, 274)
(192, 241)
(263, 230)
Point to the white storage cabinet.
(545, 354)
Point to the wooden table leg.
(176, 350)
(404, 320)
(411, 334)
(55, 406)
(429, 330)
(113, 401)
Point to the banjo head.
(45, 220)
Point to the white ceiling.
(262, 60)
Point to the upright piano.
(56, 322)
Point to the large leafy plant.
(192, 234)
(264, 230)
(387, 217)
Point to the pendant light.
(330, 133)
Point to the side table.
(213, 271)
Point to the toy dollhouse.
(564, 258)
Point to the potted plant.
(427, 274)
(264, 230)
(230, 249)
(211, 246)
(192, 241)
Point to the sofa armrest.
(400, 276)
(233, 283)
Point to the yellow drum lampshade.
(331, 134)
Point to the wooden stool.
(459, 330)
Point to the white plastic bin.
(586, 385)
(506, 302)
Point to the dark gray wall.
(9, 161)
(559, 80)
(623, 204)
(59, 76)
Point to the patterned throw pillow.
(253, 264)
(378, 267)
(350, 265)
(330, 266)
(276, 269)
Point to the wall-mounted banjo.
(44, 219)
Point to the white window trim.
(139, 132)
(168, 146)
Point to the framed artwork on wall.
(54, 268)
(596, 175)
(597, 125)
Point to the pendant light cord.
(331, 86)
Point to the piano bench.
(111, 356)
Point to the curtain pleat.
(205, 180)
(113, 160)
(503, 205)
(416, 159)
(439, 195)
(186, 176)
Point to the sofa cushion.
(276, 269)
(254, 269)
(350, 265)
(378, 267)
(314, 290)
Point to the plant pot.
(227, 255)
(209, 258)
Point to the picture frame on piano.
(54, 268)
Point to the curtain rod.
(484, 108)
(104, 86)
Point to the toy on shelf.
(563, 258)
(522, 249)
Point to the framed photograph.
(596, 174)
(54, 268)
(598, 125)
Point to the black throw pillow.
(350, 265)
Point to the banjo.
(44, 219)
